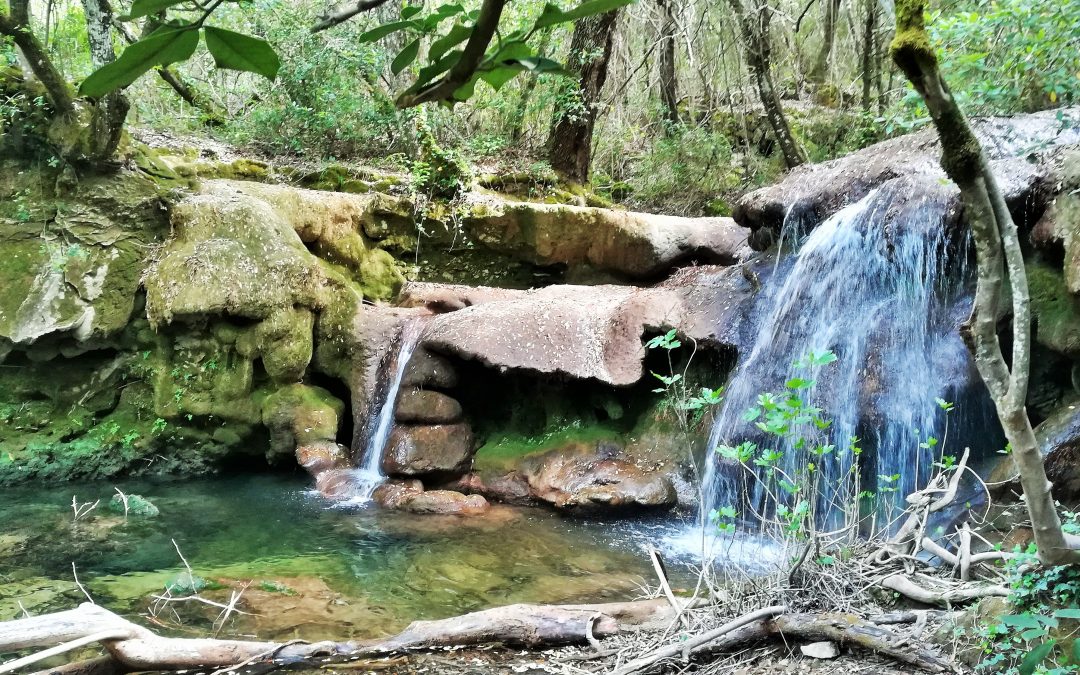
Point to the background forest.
(679, 122)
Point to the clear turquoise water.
(303, 567)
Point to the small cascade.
(876, 285)
(368, 475)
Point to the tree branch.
(486, 25)
(344, 13)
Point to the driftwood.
(132, 647)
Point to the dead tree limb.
(132, 647)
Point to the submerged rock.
(133, 505)
(410, 496)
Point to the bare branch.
(344, 13)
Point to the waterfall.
(876, 285)
(368, 475)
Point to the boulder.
(583, 476)
(812, 192)
(429, 370)
(410, 496)
(1059, 441)
(629, 244)
(511, 488)
(299, 415)
(419, 406)
(319, 456)
(418, 450)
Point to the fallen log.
(133, 647)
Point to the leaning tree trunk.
(668, 82)
(15, 24)
(755, 33)
(817, 74)
(570, 144)
(999, 261)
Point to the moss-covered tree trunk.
(754, 26)
(999, 260)
(570, 144)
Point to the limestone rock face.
(418, 450)
(583, 476)
(427, 407)
(812, 192)
(635, 245)
(577, 331)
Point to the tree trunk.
(570, 143)
(754, 26)
(107, 120)
(869, 43)
(817, 74)
(999, 260)
(517, 126)
(669, 85)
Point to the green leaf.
(497, 77)
(1070, 613)
(409, 11)
(237, 51)
(457, 34)
(379, 32)
(1021, 621)
(405, 57)
(552, 15)
(141, 8)
(539, 64)
(162, 47)
(1035, 657)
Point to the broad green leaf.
(552, 15)
(457, 34)
(1035, 657)
(379, 32)
(500, 75)
(237, 51)
(465, 91)
(410, 11)
(405, 57)
(162, 47)
(1021, 621)
(539, 64)
(141, 8)
(512, 51)
(1069, 613)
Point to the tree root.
(945, 597)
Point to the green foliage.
(1040, 635)
(678, 396)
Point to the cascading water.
(369, 475)
(876, 285)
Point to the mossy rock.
(299, 415)
(133, 505)
(1056, 311)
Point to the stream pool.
(306, 568)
